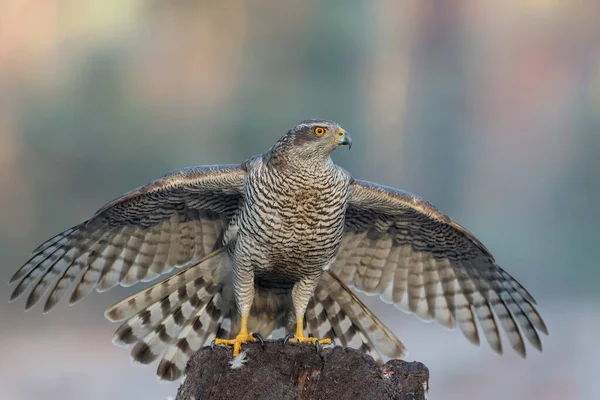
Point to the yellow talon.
(237, 342)
(243, 337)
(300, 338)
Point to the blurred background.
(490, 110)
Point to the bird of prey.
(278, 242)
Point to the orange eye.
(319, 131)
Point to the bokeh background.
(488, 109)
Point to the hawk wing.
(402, 248)
(170, 222)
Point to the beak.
(346, 141)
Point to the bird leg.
(243, 337)
(301, 293)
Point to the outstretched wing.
(167, 223)
(402, 248)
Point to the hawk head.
(314, 138)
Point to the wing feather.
(139, 236)
(402, 248)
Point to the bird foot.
(301, 339)
(242, 338)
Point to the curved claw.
(212, 344)
(259, 338)
(318, 343)
(288, 337)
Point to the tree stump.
(298, 371)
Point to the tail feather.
(167, 331)
(137, 302)
(352, 322)
(168, 314)
(199, 331)
(175, 316)
(338, 327)
(317, 321)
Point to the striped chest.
(295, 217)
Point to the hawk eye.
(319, 131)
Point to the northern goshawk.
(277, 242)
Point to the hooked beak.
(346, 141)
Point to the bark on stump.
(298, 371)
